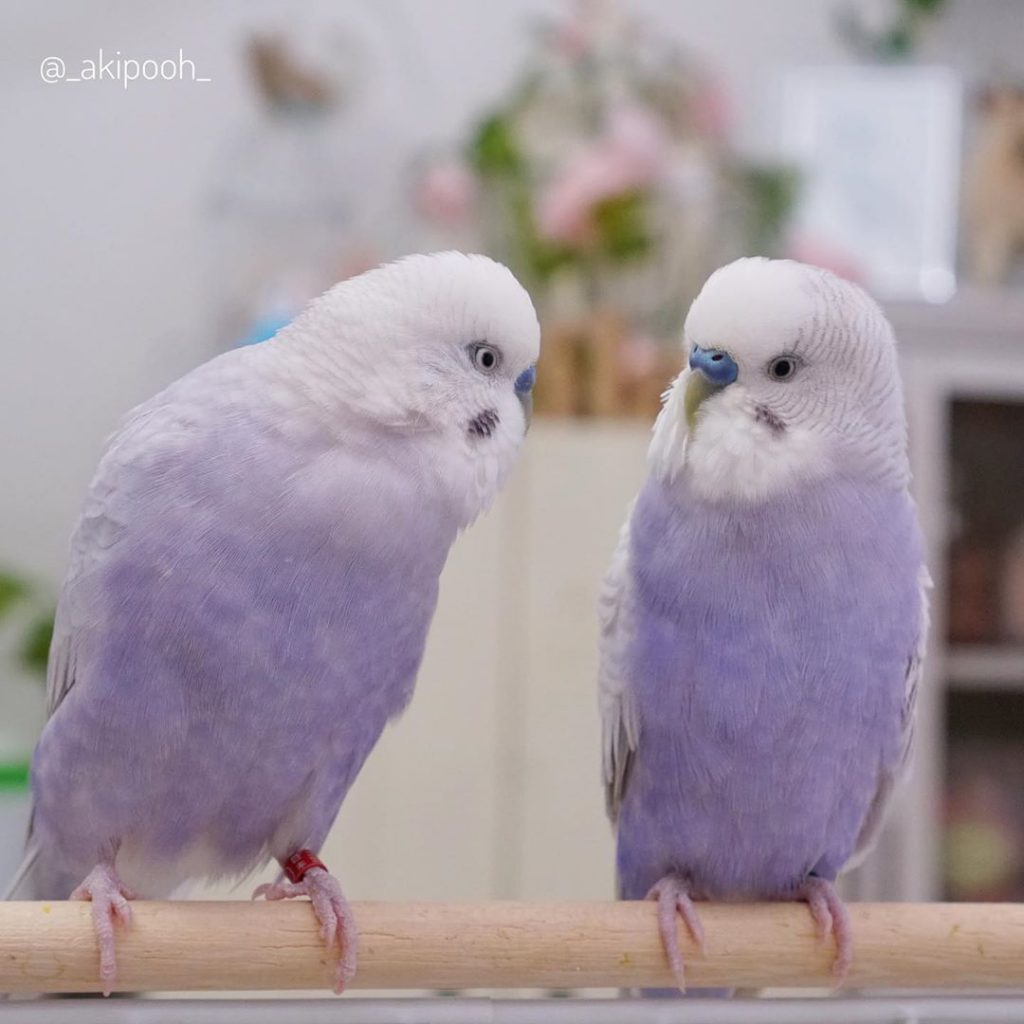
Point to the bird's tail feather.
(39, 879)
(22, 886)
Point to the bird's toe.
(830, 918)
(109, 897)
(673, 898)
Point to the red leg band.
(300, 863)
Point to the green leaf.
(897, 42)
(13, 775)
(35, 647)
(12, 590)
(546, 259)
(622, 226)
(493, 150)
(769, 194)
(925, 6)
(541, 258)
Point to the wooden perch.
(188, 946)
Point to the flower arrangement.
(606, 181)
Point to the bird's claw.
(672, 894)
(337, 923)
(830, 917)
(109, 897)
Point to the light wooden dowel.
(189, 946)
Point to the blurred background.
(180, 179)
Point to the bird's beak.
(711, 370)
(524, 392)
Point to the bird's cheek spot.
(771, 420)
(484, 423)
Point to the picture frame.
(879, 153)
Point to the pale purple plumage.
(764, 614)
(237, 651)
(251, 584)
(769, 660)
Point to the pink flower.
(819, 253)
(564, 212)
(629, 155)
(637, 137)
(712, 112)
(447, 192)
(572, 40)
(356, 262)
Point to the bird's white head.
(440, 346)
(792, 376)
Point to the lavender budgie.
(764, 616)
(252, 581)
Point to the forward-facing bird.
(252, 581)
(764, 616)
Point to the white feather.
(889, 782)
(758, 436)
(620, 726)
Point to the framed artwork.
(878, 148)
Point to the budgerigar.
(764, 616)
(252, 581)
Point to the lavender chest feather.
(254, 624)
(768, 664)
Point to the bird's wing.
(101, 524)
(60, 672)
(97, 531)
(122, 478)
(890, 779)
(619, 722)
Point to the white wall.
(104, 244)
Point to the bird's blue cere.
(714, 364)
(526, 380)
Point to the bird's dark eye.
(485, 358)
(782, 368)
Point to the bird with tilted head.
(251, 583)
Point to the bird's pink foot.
(337, 923)
(830, 916)
(672, 894)
(109, 897)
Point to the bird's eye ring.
(782, 368)
(485, 358)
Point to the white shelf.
(995, 667)
(994, 315)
